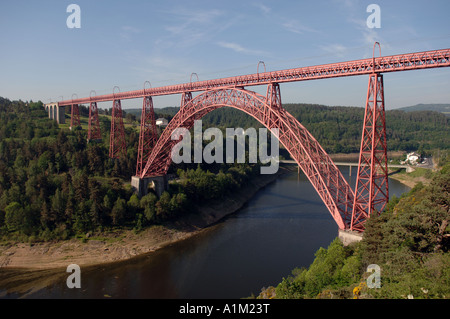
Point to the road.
(428, 164)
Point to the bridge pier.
(56, 112)
(348, 237)
(158, 183)
(410, 169)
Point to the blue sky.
(125, 43)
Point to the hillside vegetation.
(442, 108)
(338, 129)
(54, 185)
(410, 243)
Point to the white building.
(413, 158)
(162, 122)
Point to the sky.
(126, 43)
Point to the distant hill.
(169, 111)
(338, 128)
(441, 108)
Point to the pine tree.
(58, 205)
(118, 211)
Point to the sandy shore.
(125, 244)
(408, 180)
(28, 267)
(25, 268)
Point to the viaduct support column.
(75, 116)
(148, 135)
(60, 114)
(94, 124)
(158, 183)
(49, 110)
(56, 112)
(371, 190)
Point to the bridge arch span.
(323, 174)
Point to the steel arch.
(323, 174)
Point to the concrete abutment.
(56, 112)
(158, 183)
(348, 237)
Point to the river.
(279, 229)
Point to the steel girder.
(323, 174)
(393, 63)
(148, 135)
(74, 116)
(94, 124)
(117, 144)
(372, 186)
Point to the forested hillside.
(409, 242)
(338, 129)
(442, 108)
(55, 185)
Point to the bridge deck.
(394, 63)
(356, 164)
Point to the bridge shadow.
(398, 170)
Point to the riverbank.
(354, 157)
(25, 266)
(118, 245)
(420, 175)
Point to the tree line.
(338, 128)
(56, 185)
(53, 184)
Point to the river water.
(279, 229)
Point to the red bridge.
(349, 208)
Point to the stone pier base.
(158, 183)
(347, 237)
(410, 169)
(56, 112)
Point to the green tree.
(108, 202)
(18, 218)
(58, 204)
(148, 204)
(133, 205)
(81, 186)
(163, 207)
(14, 217)
(95, 214)
(118, 211)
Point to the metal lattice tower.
(372, 189)
(148, 135)
(94, 124)
(117, 143)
